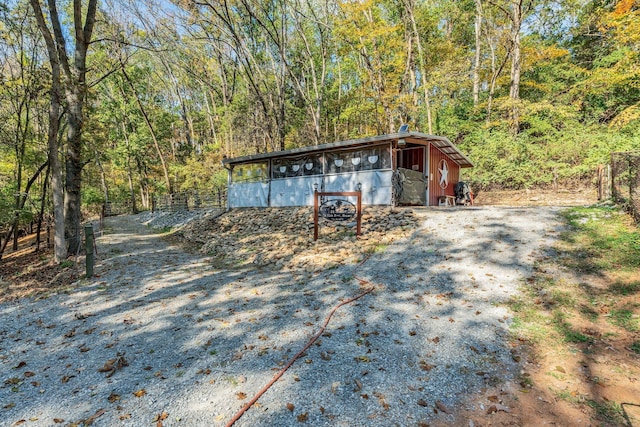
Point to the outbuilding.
(404, 168)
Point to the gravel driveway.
(192, 343)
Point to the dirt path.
(162, 335)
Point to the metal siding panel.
(248, 195)
(376, 185)
(293, 191)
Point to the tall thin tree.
(74, 87)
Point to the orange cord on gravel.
(313, 339)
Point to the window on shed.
(369, 158)
(296, 166)
(250, 172)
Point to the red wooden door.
(444, 173)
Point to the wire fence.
(625, 180)
(176, 202)
(191, 200)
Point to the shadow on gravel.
(196, 342)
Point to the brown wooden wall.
(435, 190)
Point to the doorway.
(412, 159)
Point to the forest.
(126, 100)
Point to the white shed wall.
(294, 191)
(376, 185)
(248, 194)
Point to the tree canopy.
(151, 95)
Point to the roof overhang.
(442, 143)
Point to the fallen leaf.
(66, 378)
(28, 374)
(112, 365)
(423, 403)
(22, 364)
(493, 399)
(125, 417)
(93, 417)
(560, 369)
(140, 392)
(113, 397)
(441, 406)
(322, 410)
(426, 366)
(358, 385)
(303, 417)
(436, 340)
(241, 396)
(290, 407)
(381, 400)
(58, 420)
(159, 418)
(17, 423)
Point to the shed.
(404, 168)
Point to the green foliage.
(624, 318)
(608, 411)
(254, 78)
(92, 196)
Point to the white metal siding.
(376, 185)
(248, 194)
(294, 191)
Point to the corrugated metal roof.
(441, 142)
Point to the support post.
(359, 214)
(88, 234)
(315, 215)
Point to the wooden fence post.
(88, 234)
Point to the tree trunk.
(516, 64)
(43, 203)
(423, 69)
(476, 62)
(132, 193)
(68, 212)
(73, 169)
(156, 144)
(14, 229)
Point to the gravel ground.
(192, 343)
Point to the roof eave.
(463, 163)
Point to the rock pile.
(283, 237)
